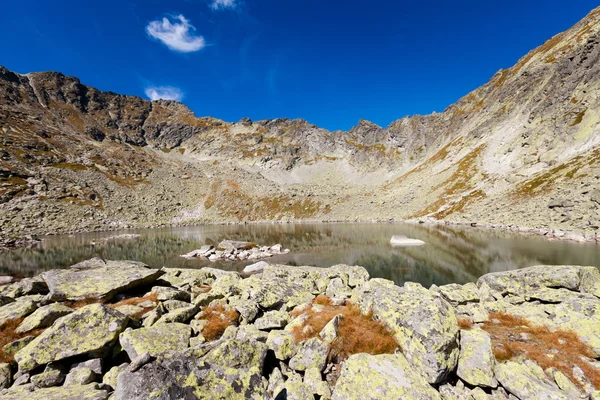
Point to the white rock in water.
(255, 268)
(403, 241)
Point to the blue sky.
(331, 62)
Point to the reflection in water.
(451, 254)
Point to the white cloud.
(164, 93)
(223, 4)
(177, 35)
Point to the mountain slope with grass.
(523, 149)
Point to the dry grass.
(465, 323)
(357, 332)
(219, 318)
(134, 301)
(8, 335)
(516, 337)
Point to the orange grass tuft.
(465, 323)
(357, 332)
(8, 335)
(219, 318)
(514, 337)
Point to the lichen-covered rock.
(129, 309)
(524, 383)
(337, 288)
(14, 347)
(183, 314)
(590, 281)
(168, 293)
(238, 354)
(457, 294)
(72, 392)
(92, 330)
(52, 376)
(581, 315)
(5, 375)
(273, 293)
(423, 323)
(449, 392)
(43, 317)
(476, 359)
(296, 389)
(330, 331)
(186, 377)
(80, 376)
(282, 343)
(182, 277)
(521, 280)
(388, 376)
(226, 285)
(272, 320)
(311, 353)
(16, 310)
(24, 287)
(156, 340)
(98, 283)
(110, 378)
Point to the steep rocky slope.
(524, 149)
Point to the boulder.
(52, 376)
(14, 347)
(98, 283)
(521, 281)
(457, 294)
(167, 293)
(110, 378)
(239, 354)
(5, 375)
(90, 331)
(272, 320)
(43, 317)
(235, 245)
(476, 359)
(187, 377)
(388, 376)
(423, 324)
(156, 340)
(403, 241)
(311, 353)
(16, 310)
(80, 376)
(519, 380)
(255, 268)
(330, 331)
(282, 343)
(72, 392)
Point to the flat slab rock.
(72, 392)
(387, 376)
(100, 282)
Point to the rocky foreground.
(119, 330)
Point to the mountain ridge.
(528, 140)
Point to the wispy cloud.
(177, 33)
(223, 4)
(164, 93)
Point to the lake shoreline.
(550, 234)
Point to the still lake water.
(451, 254)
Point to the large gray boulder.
(388, 376)
(521, 281)
(90, 331)
(98, 283)
(186, 377)
(423, 324)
